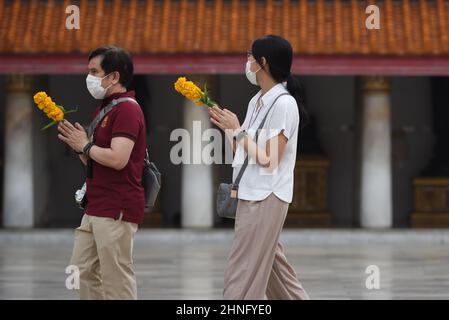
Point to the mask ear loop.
(260, 67)
(105, 77)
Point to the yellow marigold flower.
(48, 103)
(179, 82)
(59, 116)
(48, 106)
(39, 97)
(188, 89)
(50, 112)
(192, 92)
(58, 111)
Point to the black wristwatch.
(87, 148)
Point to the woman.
(257, 265)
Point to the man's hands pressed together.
(116, 157)
(73, 135)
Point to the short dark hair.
(115, 59)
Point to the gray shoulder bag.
(151, 177)
(227, 192)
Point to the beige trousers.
(103, 253)
(257, 267)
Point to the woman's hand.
(224, 119)
(73, 135)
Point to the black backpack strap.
(103, 112)
(91, 129)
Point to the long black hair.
(278, 54)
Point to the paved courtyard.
(173, 264)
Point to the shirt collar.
(117, 95)
(269, 97)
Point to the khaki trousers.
(103, 253)
(257, 267)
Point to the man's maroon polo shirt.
(111, 192)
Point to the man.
(114, 159)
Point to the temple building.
(374, 155)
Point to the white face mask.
(250, 74)
(93, 84)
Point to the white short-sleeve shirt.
(258, 183)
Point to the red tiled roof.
(408, 27)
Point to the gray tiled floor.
(194, 270)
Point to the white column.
(197, 178)
(18, 204)
(376, 162)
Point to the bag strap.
(245, 164)
(105, 111)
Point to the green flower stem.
(52, 123)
